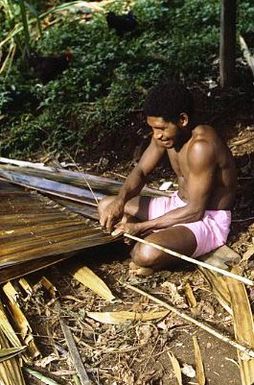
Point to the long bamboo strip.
(192, 260)
(201, 325)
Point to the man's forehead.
(156, 121)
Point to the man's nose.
(158, 134)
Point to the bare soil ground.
(137, 352)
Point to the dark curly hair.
(168, 100)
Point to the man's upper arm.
(150, 158)
(202, 167)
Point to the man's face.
(168, 134)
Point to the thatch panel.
(36, 232)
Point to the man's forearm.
(132, 186)
(180, 215)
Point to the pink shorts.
(210, 232)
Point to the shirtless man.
(196, 219)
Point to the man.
(194, 220)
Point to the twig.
(83, 177)
(186, 317)
(84, 379)
(192, 260)
(242, 220)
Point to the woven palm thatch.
(40, 215)
(36, 232)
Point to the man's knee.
(144, 255)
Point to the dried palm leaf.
(243, 326)
(26, 286)
(221, 257)
(7, 329)
(118, 317)
(103, 185)
(176, 368)
(35, 228)
(22, 325)
(190, 296)
(248, 253)
(10, 370)
(6, 354)
(49, 186)
(88, 278)
(200, 374)
(233, 297)
(219, 288)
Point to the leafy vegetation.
(108, 77)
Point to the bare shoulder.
(204, 131)
(202, 146)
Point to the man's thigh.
(177, 238)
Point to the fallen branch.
(192, 260)
(201, 325)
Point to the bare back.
(222, 193)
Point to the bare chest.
(179, 163)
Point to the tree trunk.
(227, 42)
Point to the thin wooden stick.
(192, 260)
(186, 317)
(78, 364)
(83, 177)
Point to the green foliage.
(109, 75)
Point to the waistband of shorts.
(207, 212)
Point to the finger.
(116, 232)
(109, 223)
(102, 221)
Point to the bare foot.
(135, 270)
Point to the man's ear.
(183, 119)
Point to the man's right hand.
(112, 214)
